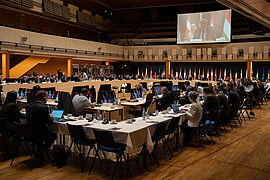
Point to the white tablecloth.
(134, 135)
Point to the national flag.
(151, 72)
(188, 27)
(146, 71)
(189, 73)
(176, 75)
(241, 73)
(155, 75)
(159, 71)
(194, 74)
(263, 75)
(230, 73)
(203, 73)
(220, 73)
(207, 74)
(212, 23)
(57, 97)
(252, 74)
(257, 75)
(235, 78)
(199, 75)
(225, 75)
(268, 73)
(180, 73)
(227, 26)
(185, 73)
(212, 74)
(142, 74)
(172, 73)
(216, 73)
(138, 70)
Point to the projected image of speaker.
(204, 27)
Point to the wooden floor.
(243, 153)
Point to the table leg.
(144, 156)
(177, 139)
(64, 139)
(122, 115)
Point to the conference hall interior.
(134, 89)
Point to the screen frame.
(206, 42)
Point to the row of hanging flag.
(211, 73)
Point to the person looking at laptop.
(193, 116)
(80, 101)
(37, 114)
(165, 101)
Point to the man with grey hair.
(205, 32)
(165, 101)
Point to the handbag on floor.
(60, 155)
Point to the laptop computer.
(175, 108)
(57, 114)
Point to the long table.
(67, 86)
(134, 135)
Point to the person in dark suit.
(188, 88)
(165, 101)
(32, 95)
(210, 103)
(205, 32)
(222, 99)
(233, 98)
(9, 110)
(37, 114)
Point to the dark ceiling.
(132, 19)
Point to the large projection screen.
(204, 27)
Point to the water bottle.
(98, 115)
(119, 102)
(143, 114)
(147, 114)
(104, 115)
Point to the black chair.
(175, 96)
(26, 135)
(105, 142)
(244, 108)
(173, 129)
(79, 138)
(212, 124)
(158, 135)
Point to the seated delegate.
(37, 114)
(80, 101)
(193, 116)
(165, 101)
(9, 110)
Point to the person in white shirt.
(85, 77)
(193, 116)
(2, 96)
(81, 101)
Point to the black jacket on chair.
(222, 100)
(234, 99)
(210, 103)
(38, 116)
